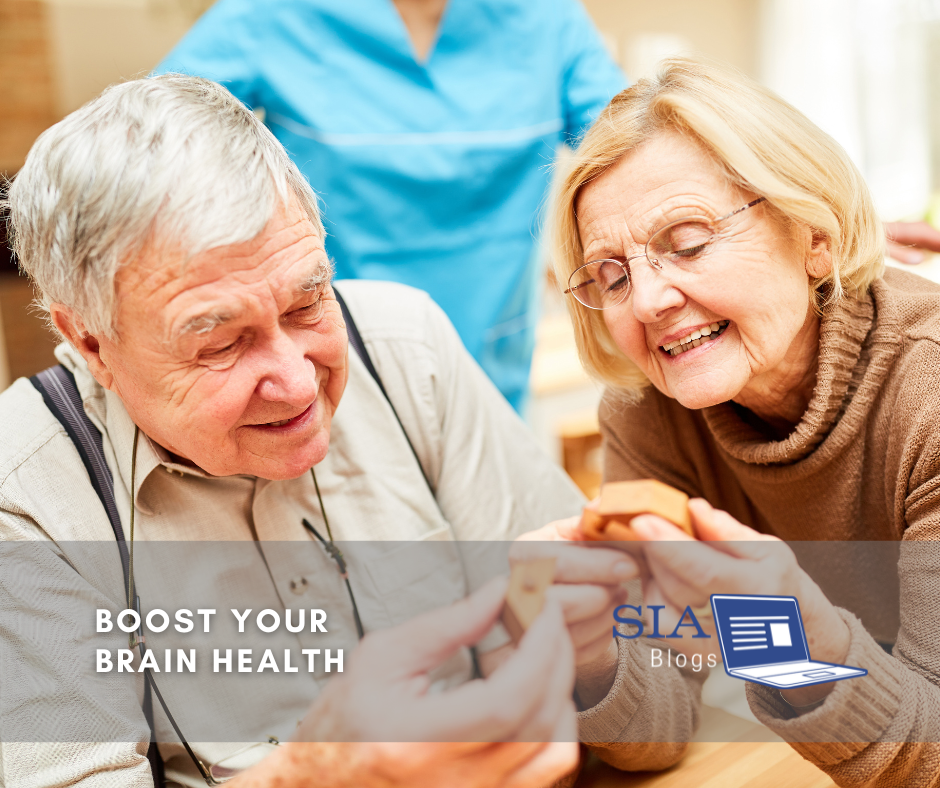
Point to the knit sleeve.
(649, 716)
(879, 731)
(883, 730)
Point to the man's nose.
(653, 294)
(290, 375)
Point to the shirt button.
(298, 586)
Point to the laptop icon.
(762, 640)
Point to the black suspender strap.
(355, 340)
(59, 392)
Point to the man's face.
(235, 359)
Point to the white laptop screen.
(759, 630)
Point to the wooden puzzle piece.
(620, 502)
(525, 598)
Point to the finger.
(653, 528)
(555, 700)
(587, 653)
(551, 532)
(576, 562)
(905, 254)
(728, 535)
(556, 694)
(690, 573)
(676, 592)
(430, 639)
(497, 708)
(666, 617)
(570, 529)
(580, 602)
(688, 569)
(597, 626)
(919, 234)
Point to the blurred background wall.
(867, 71)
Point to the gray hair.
(172, 159)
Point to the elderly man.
(179, 252)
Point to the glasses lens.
(683, 243)
(601, 284)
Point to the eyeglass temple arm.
(578, 287)
(751, 204)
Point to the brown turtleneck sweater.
(862, 468)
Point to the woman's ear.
(819, 254)
(72, 327)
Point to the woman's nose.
(653, 293)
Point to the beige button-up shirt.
(491, 482)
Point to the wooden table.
(750, 756)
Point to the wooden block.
(593, 524)
(620, 502)
(525, 598)
(617, 530)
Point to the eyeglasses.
(683, 245)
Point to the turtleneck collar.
(842, 333)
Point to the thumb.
(708, 526)
(727, 534)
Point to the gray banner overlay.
(68, 672)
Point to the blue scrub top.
(430, 173)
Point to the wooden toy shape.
(525, 598)
(620, 502)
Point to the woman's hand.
(730, 558)
(588, 586)
(908, 241)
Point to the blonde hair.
(766, 147)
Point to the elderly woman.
(724, 264)
(180, 253)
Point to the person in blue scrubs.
(431, 153)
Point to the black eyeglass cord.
(138, 640)
(335, 553)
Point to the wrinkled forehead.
(284, 260)
(668, 175)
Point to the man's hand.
(589, 586)
(515, 729)
(907, 240)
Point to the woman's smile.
(703, 335)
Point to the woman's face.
(753, 282)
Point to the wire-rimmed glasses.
(683, 244)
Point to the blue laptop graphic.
(762, 640)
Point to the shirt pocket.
(413, 577)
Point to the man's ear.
(72, 327)
(819, 254)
